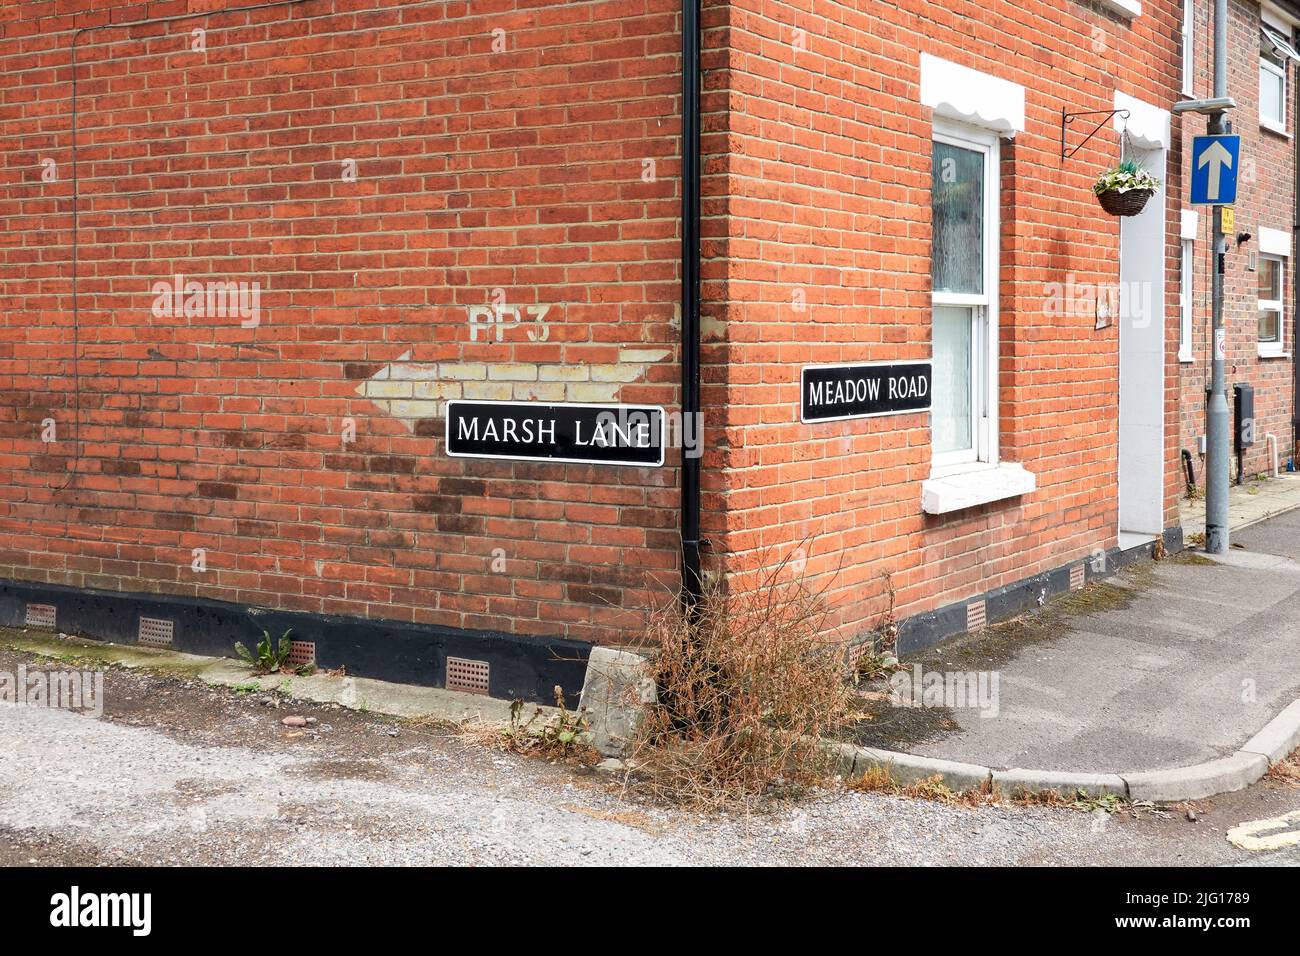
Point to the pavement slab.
(1278, 536)
(1195, 660)
(1249, 502)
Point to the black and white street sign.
(834, 392)
(534, 431)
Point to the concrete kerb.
(1021, 781)
(906, 769)
(1280, 736)
(1247, 765)
(1199, 781)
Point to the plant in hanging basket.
(1124, 190)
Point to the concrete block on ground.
(617, 689)
(1019, 780)
(1202, 780)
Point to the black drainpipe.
(692, 446)
(1295, 291)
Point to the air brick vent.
(975, 616)
(302, 654)
(468, 676)
(1077, 577)
(155, 632)
(40, 615)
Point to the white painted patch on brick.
(411, 391)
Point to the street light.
(1209, 107)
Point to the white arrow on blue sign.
(1215, 160)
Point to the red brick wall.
(547, 170)
(1266, 196)
(534, 166)
(829, 189)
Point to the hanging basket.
(1127, 203)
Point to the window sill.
(1273, 353)
(957, 490)
(1186, 357)
(1125, 8)
(1274, 128)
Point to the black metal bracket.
(1068, 118)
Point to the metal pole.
(1216, 412)
(1221, 49)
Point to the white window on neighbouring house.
(1275, 52)
(1272, 94)
(1270, 278)
(964, 269)
(1189, 46)
(1186, 298)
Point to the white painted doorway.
(1142, 364)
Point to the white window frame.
(984, 310)
(1186, 299)
(1267, 122)
(1189, 46)
(1270, 348)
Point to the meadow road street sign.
(832, 392)
(1215, 161)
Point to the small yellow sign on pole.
(1229, 219)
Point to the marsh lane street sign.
(561, 432)
(834, 392)
(1215, 161)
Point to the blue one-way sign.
(1214, 170)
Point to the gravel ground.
(177, 772)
